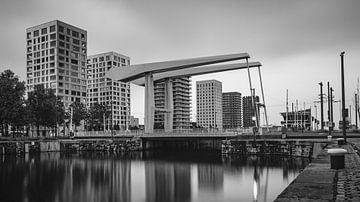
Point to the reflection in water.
(106, 177)
(167, 181)
(256, 184)
(210, 177)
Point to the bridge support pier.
(169, 105)
(149, 103)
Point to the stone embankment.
(36, 146)
(318, 182)
(308, 149)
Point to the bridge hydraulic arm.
(263, 97)
(251, 91)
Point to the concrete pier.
(318, 182)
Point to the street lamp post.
(321, 107)
(343, 96)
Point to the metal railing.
(161, 132)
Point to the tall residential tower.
(56, 58)
(181, 101)
(248, 111)
(231, 104)
(209, 104)
(102, 90)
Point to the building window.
(43, 31)
(75, 48)
(61, 29)
(75, 41)
(74, 55)
(36, 33)
(61, 36)
(75, 34)
(52, 43)
(52, 28)
(52, 36)
(75, 62)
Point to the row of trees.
(42, 108)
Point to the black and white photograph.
(179, 100)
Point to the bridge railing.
(107, 133)
(119, 133)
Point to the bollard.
(337, 158)
(340, 141)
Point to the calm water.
(151, 176)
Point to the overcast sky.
(298, 42)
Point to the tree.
(11, 101)
(96, 115)
(79, 113)
(45, 108)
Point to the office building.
(102, 90)
(231, 106)
(248, 111)
(56, 58)
(134, 122)
(209, 104)
(181, 103)
(301, 119)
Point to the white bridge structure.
(147, 74)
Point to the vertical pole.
(357, 104)
(329, 105)
(301, 117)
(349, 115)
(287, 108)
(304, 117)
(356, 111)
(331, 109)
(343, 96)
(112, 120)
(296, 115)
(292, 115)
(263, 97)
(316, 125)
(104, 121)
(71, 120)
(321, 107)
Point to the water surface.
(147, 176)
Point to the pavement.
(348, 182)
(318, 182)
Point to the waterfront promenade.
(320, 183)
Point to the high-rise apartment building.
(102, 90)
(56, 58)
(181, 103)
(209, 104)
(248, 111)
(231, 106)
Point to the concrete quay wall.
(23, 147)
(278, 147)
